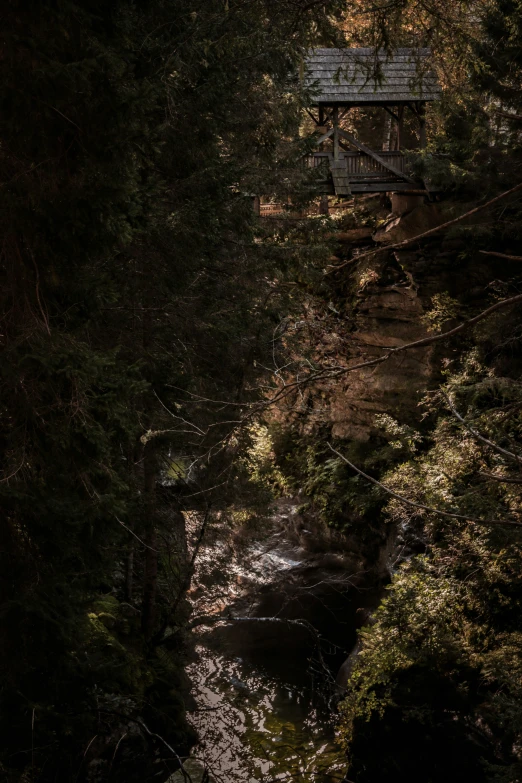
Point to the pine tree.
(132, 140)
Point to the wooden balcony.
(359, 172)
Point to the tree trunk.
(129, 573)
(150, 576)
(324, 208)
(386, 142)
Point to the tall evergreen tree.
(132, 140)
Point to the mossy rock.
(194, 768)
(122, 667)
(108, 604)
(108, 620)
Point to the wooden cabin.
(340, 80)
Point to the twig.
(116, 749)
(501, 479)
(431, 231)
(84, 755)
(411, 503)
(186, 775)
(509, 116)
(32, 739)
(478, 436)
(500, 255)
(212, 619)
(135, 536)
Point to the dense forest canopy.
(153, 326)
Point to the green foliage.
(442, 656)
(328, 486)
(132, 138)
(444, 308)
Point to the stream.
(273, 626)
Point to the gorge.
(261, 402)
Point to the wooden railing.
(358, 164)
(271, 209)
(314, 161)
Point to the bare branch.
(335, 373)
(480, 437)
(128, 529)
(501, 479)
(509, 116)
(411, 503)
(431, 231)
(500, 255)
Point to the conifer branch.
(421, 506)
(478, 436)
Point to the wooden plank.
(327, 97)
(380, 187)
(340, 177)
(375, 156)
(325, 136)
(387, 109)
(315, 119)
(336, 132)
(369, 77)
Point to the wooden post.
(257, 205)
(386, 141)
(336, 132)
(324, 208)
(400, 126)
(422, 124)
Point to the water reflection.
(255, 726)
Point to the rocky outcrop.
(408, 225)
(388, 314)
(391, 294)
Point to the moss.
(108, 620)
(106, 603)
(124, 669)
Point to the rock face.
(387, 316)
(406, 202)
(392, 291)
(353, 236)
(419, 220)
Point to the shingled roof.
(364, 76)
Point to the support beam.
(392, 113)
(317, 122)
(375, 156)
(422, 124)
(400, 126)
(325, 136)
(336, 132)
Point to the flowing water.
(264, 672)
(255, 726)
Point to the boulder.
(353, 236)
(195, 770)
(418, 221)
(401, 203)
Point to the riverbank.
(271, 638)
